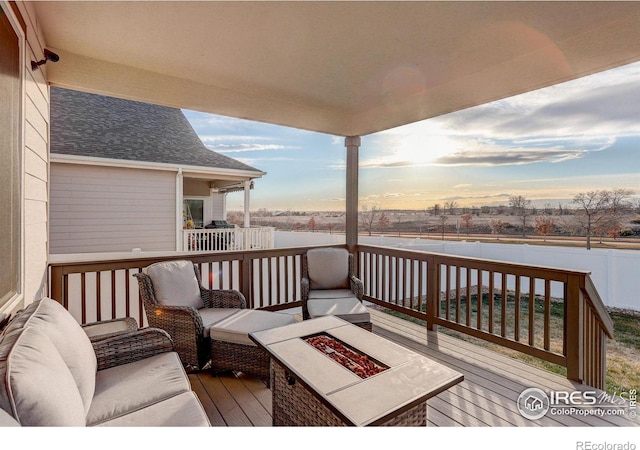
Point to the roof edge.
(128, 164)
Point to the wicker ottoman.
(231, 347)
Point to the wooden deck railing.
(552, 314)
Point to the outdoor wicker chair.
(175, 301)
(329, 287)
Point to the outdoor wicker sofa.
(54, 374)
(175, 301)
(330, 287)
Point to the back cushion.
(37, 386)
(175, 283)
(328, 268)
(72, 344)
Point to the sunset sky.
(546, 145)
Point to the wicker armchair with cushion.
(329, 287)
(175, 301)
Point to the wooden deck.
(486, 398)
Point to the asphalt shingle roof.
(86, 124)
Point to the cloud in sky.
(554, 124)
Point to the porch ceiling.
(343, 68)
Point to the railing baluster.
(447, 289)
(547, 314)
(468, 303)
(532, 310)
(491, 281)
(458, 302)
(479, 299)
(503, 306)
(516, 307)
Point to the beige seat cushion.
(123, 389)
(331, 293)
(175, 283)
(182, 410)
(214, 315)
(236, 328)
(349, 309)
(328, 268)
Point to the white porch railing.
(227, 239)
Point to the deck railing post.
(433, 292)
(57, 284)
(574, 329)
(246, 278)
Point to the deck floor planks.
(207, 403)
(487, 396)
(257, 414)
(511, 372)
(231, 412)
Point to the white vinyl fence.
(615, 273)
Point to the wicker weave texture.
(250, 359)
(294, 405)
(133, 346)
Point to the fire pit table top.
(409, 379)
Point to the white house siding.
(109, 209)
(35, 163)
(218, 207)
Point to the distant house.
(126, 175)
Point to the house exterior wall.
(35, 161)
(111, 209)
(219, 206)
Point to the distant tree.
(330, 226)
(443, 219)
(600, 210)
(398, 222)
(450, 206)
(436, 209)
(521, 207)
(312, 224)
(545, 225)
(498, 226)
(368, 217)
(466, 221)
(383, 222)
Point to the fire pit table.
(328, 372)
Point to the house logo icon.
(533, 403)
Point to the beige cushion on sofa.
(182, 410)
(62, 329)
(175, 283)
(131, 387)
(328, 268)
(236, 328)
(349, 309)
(39, 387)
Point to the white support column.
(179, 201)
(353, 145)
(247, 216)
